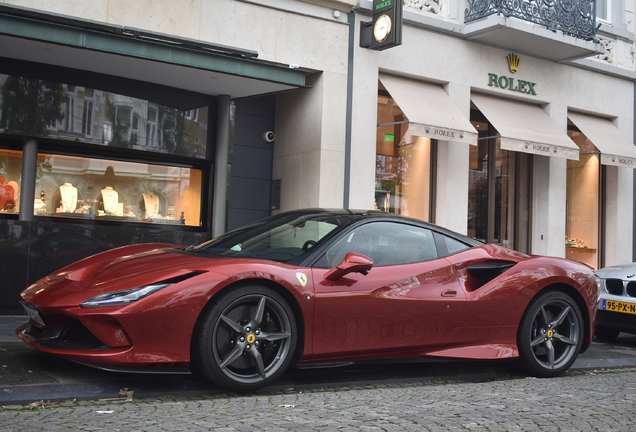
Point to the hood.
(623, 271)
(127, 271)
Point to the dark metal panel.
(249, 193)
(255, 162)
(240, 217)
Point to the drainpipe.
(220, 165)
(347, 155)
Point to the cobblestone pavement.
(580, 401)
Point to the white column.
(619, 206)
(618, 215)
(364, 120)
(549, 196)
(451, 200)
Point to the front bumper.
(74, 342)
(616, 320)
(71, 336)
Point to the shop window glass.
(121, 133)
(87, 118)
(10, 180)
(69, 115)
(403, 176)
(76, 187)
(582, 202)
(151, 128)
(491, 189)
(41, 108)
(107, 132)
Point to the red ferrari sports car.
(310, 287)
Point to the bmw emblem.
(629, 276)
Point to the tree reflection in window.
(40, 108)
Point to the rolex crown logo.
(513, 62)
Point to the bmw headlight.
(123, 297)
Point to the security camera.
(268, 136)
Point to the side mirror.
(352, 263)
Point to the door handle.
(449, 293)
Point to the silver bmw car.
(617, 306)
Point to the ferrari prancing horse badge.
(302, 278)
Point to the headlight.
(123, 297)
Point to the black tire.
(606, 334)
(550, 334)
(245, 339)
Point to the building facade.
(501, 128)
(173, 122)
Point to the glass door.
(583, 202)
(404, 169)
(498, 191)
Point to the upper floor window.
(603, 10)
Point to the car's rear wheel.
(606, 334)
(550, 334)
(245, 339)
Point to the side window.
(386, 243)
(453, 246)
(448, 245)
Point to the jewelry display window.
(77, 187)
(10, 178)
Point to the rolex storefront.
(513, 149)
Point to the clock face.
(382, 28)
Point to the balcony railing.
(573, 17)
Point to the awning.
(526, 128)
(430, 110)
(103, 50)
(615, 147)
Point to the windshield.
(278, 238)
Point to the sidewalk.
(27, 375)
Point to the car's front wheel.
(245, 338)
(550, 334)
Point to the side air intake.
(488, 270)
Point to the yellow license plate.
(616, 306)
